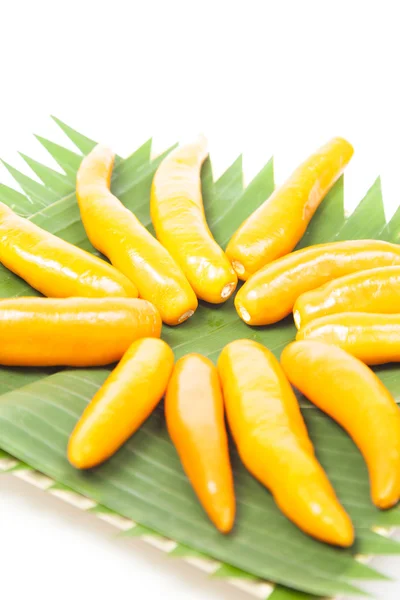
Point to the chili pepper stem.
(186, 315)
(228, 290)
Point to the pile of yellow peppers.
(344, 299)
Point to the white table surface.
(258, 77)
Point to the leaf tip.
(6, 164)
(56, 119)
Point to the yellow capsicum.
(276, 226)
(117, 233)
(179, 220)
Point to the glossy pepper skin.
(55, 267)
(372, 291)
(350, 393)
(274, 229)
(178, 217)
(194, 411)
(122, 404)
(118, 234)
(76, 332)
(373, 338)
(273, 443)
(270, 294)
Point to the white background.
(259, 77)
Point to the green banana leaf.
(144, 480)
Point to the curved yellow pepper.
(276, 226)
(373, 338)
(273, 443)
(269, 295)
(374, 290)
(179, 221)
(350, 393)
(117, 233)
(53, 266)
(194, 410)
(122, 404)
(76, 332)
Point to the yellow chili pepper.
(122, 404)
(374, 290)
(270, 294)
(273, 443)
(373, 338)
(179, 221)
(78, 332)
(53, 266)
(194, 410)
(276, 226)
(350, 393)
(116, 232)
